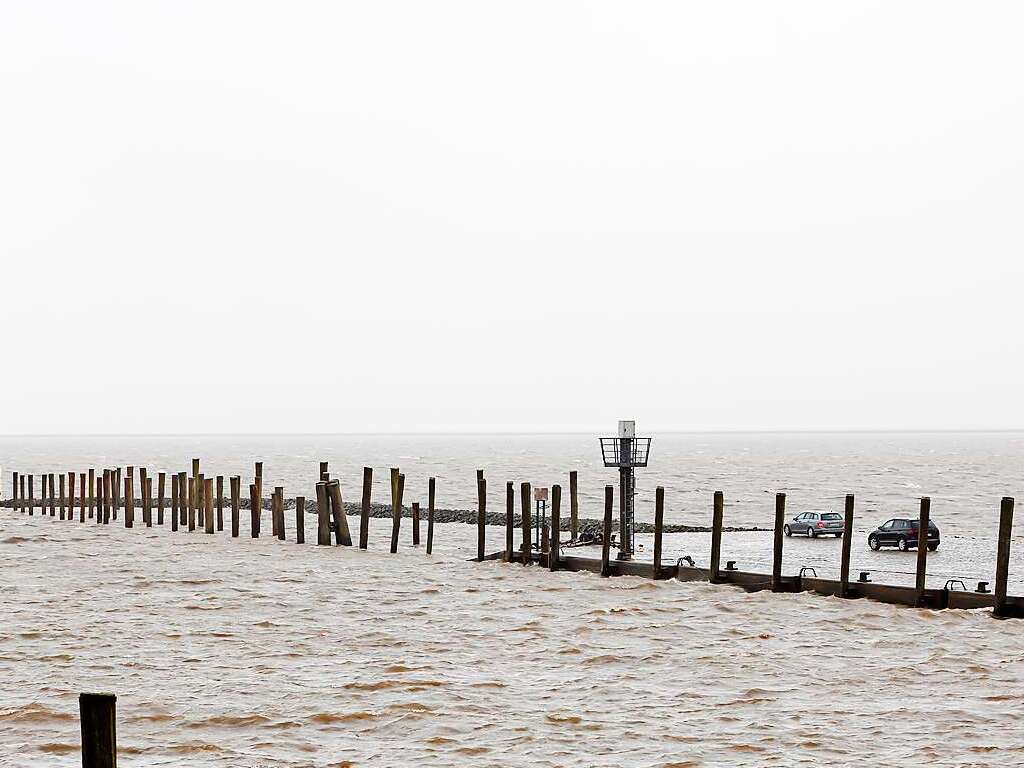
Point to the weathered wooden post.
(115, 488)
(201, 503)
(364, 510)
(71, 495)
(99, 729)
(716, 536)
(481, 516)
(259, 483)
(300, 519)
(53, 495)
(14, 493)
(342, 535)
(273, 514)
(92, 492)
(174, 503)
(161, 480)
(659, 524)
(148, 502)
(574, 508)
(220, 502)
(430, 515)
(510, 514)
(323, 531)
(63, 493)
(31, 496)
(396, 510)
(526, 500)
(254, 510)
(21, 493)
(236, 503)
(208, 519)
(922, 547)
(194, 489)
(146, 510)
(844, 563)
(606, 531)
(555, 544)
(81, 497)
(279, 490)
(107, 501)
(182, 499)
(191, 504)
(1003, 556)
(415, 523)
(129, 509)
(780, 521)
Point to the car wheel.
(901, 544)
(785, 530)
(874, 543)
(810, 533)
(932, 547)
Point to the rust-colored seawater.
(241, 652)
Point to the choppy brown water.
(256, 652)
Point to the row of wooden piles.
(198, 501)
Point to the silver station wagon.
(815, 524)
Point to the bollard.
(129, 500)
(396, 510)
(161, 480)
(236, 503)
(481, 515)
(606, 531)
(922, 547)
(220, 502)
(510, 509)
(1003, 556)
(415, 523)
(430, 515)
(526, 499)
(555, 544)
(323, 531)
(659, 523)
(364, 511)
(716, 536)
(574, 508)
(99, 730)
(844, 563)
(780, 521)
(342, 536)
(300, 519)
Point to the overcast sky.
(429, 216)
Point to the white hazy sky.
(384, 216)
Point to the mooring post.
(396, 510)
(149, 502)
(99, 729)
(53, 496)
(342, 535)
(555, 543)
(718, 512)
(14, 492)
(430, 515)
(844, 563)
(510, 510)
(254, 510)
(31, 495)
(191, 504)
(161, 483)
(236, 503)
(143, 477)
(922, 547)
(116, 491)
(129, 501)
(174, 503)
(323, 531)
(182, 499)
(259, 485)
(21, 494)
(107, 502)
(780, 521)
(574, 507)
(526, 500)
(71, 495)
(92, 492)
(415, 523)
(300, 519)
(1003, 556)
(481, 515)
(63, 493)
(364, 510)
(208, 521)
(659, 522)
(273, 514)
(81, 497)
(279, 491)
(606, 530)
(220, 502)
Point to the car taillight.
(913, 531)
(821, 524)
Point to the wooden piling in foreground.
(325, 473)
(481, 516)
(31, 496)
(323, 529)
(53, 496)
(254, 510)
(220, 502)
(606, 531)
(21, 492)
(147, 502)
(63, 494)
(844, 562)
(191, 504)
(510, 510)
(182, 499)
(99, 729)
(415, 523)
(1003, 556)
(258, 469)
(82, 499)
(526, 500)
(342, 535)
(718, 512)
(659, 524)
(780, 521)
(555, 542)
(115, 488)
(364, 510)
(107, 503)
(396, 510)
(430, 514)
(161, 487)
(174, 503)
(14, 492)
(300, 519)
(922, 546)
(236, 503)
(279, 490)
(201, 501)
(129, 499)
(574, 508)
(92, 492)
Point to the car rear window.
(831, 516)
